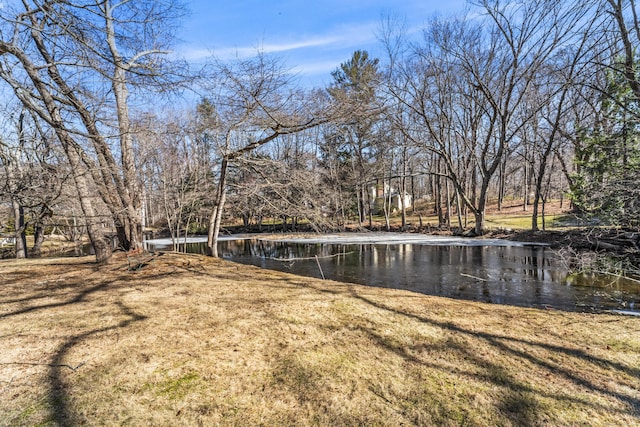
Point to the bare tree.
(80, 61)
(255, 103)
(466, 87)
(175, 164)
(285, 180)
(555, 87)
(625, 15)
(32, 175)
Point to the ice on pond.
(376, 238)
(401, 239)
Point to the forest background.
(512, 103)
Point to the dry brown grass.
(510, 216)
(187, 340)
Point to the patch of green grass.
(27, 413)
(521, 221)
(625, 345)
(518, 222)
(174, 388)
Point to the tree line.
(512, 102)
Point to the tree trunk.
(438, 197)
(369, 209)
(480, 222)
(480, 212)
(403, 191)
(534, 215)
(38, 238)
(19, 229)
(459, 209)
(131, 201)
(361, 204)
(101, 249)
(387, 207)
(216, 214)
(501, 183)
(129, 191)
(39, 230)
(448, 217)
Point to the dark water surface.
(529, 276)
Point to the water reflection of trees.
(530, 276)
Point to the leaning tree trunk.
(94, 230)
(108, 183)
(51, 113)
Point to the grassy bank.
(186, 340)
(53, 244)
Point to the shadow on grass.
(76, 299)
(59, 396)
(14, 278)
(520, 400)
(519, 403)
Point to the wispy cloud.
(317, 67)
(284, 46)
(339, 37)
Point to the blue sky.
(312, 37)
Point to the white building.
(384, 193)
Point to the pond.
(491, 271)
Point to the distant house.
(396, 201)
(382, 193)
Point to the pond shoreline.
(575, 243)
(620, 243)
(49, 249)
(501, 271)
(581, 238)
(587, 248)
(376, 237)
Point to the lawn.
(511, 216)
(174, 339)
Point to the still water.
(530, 276)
